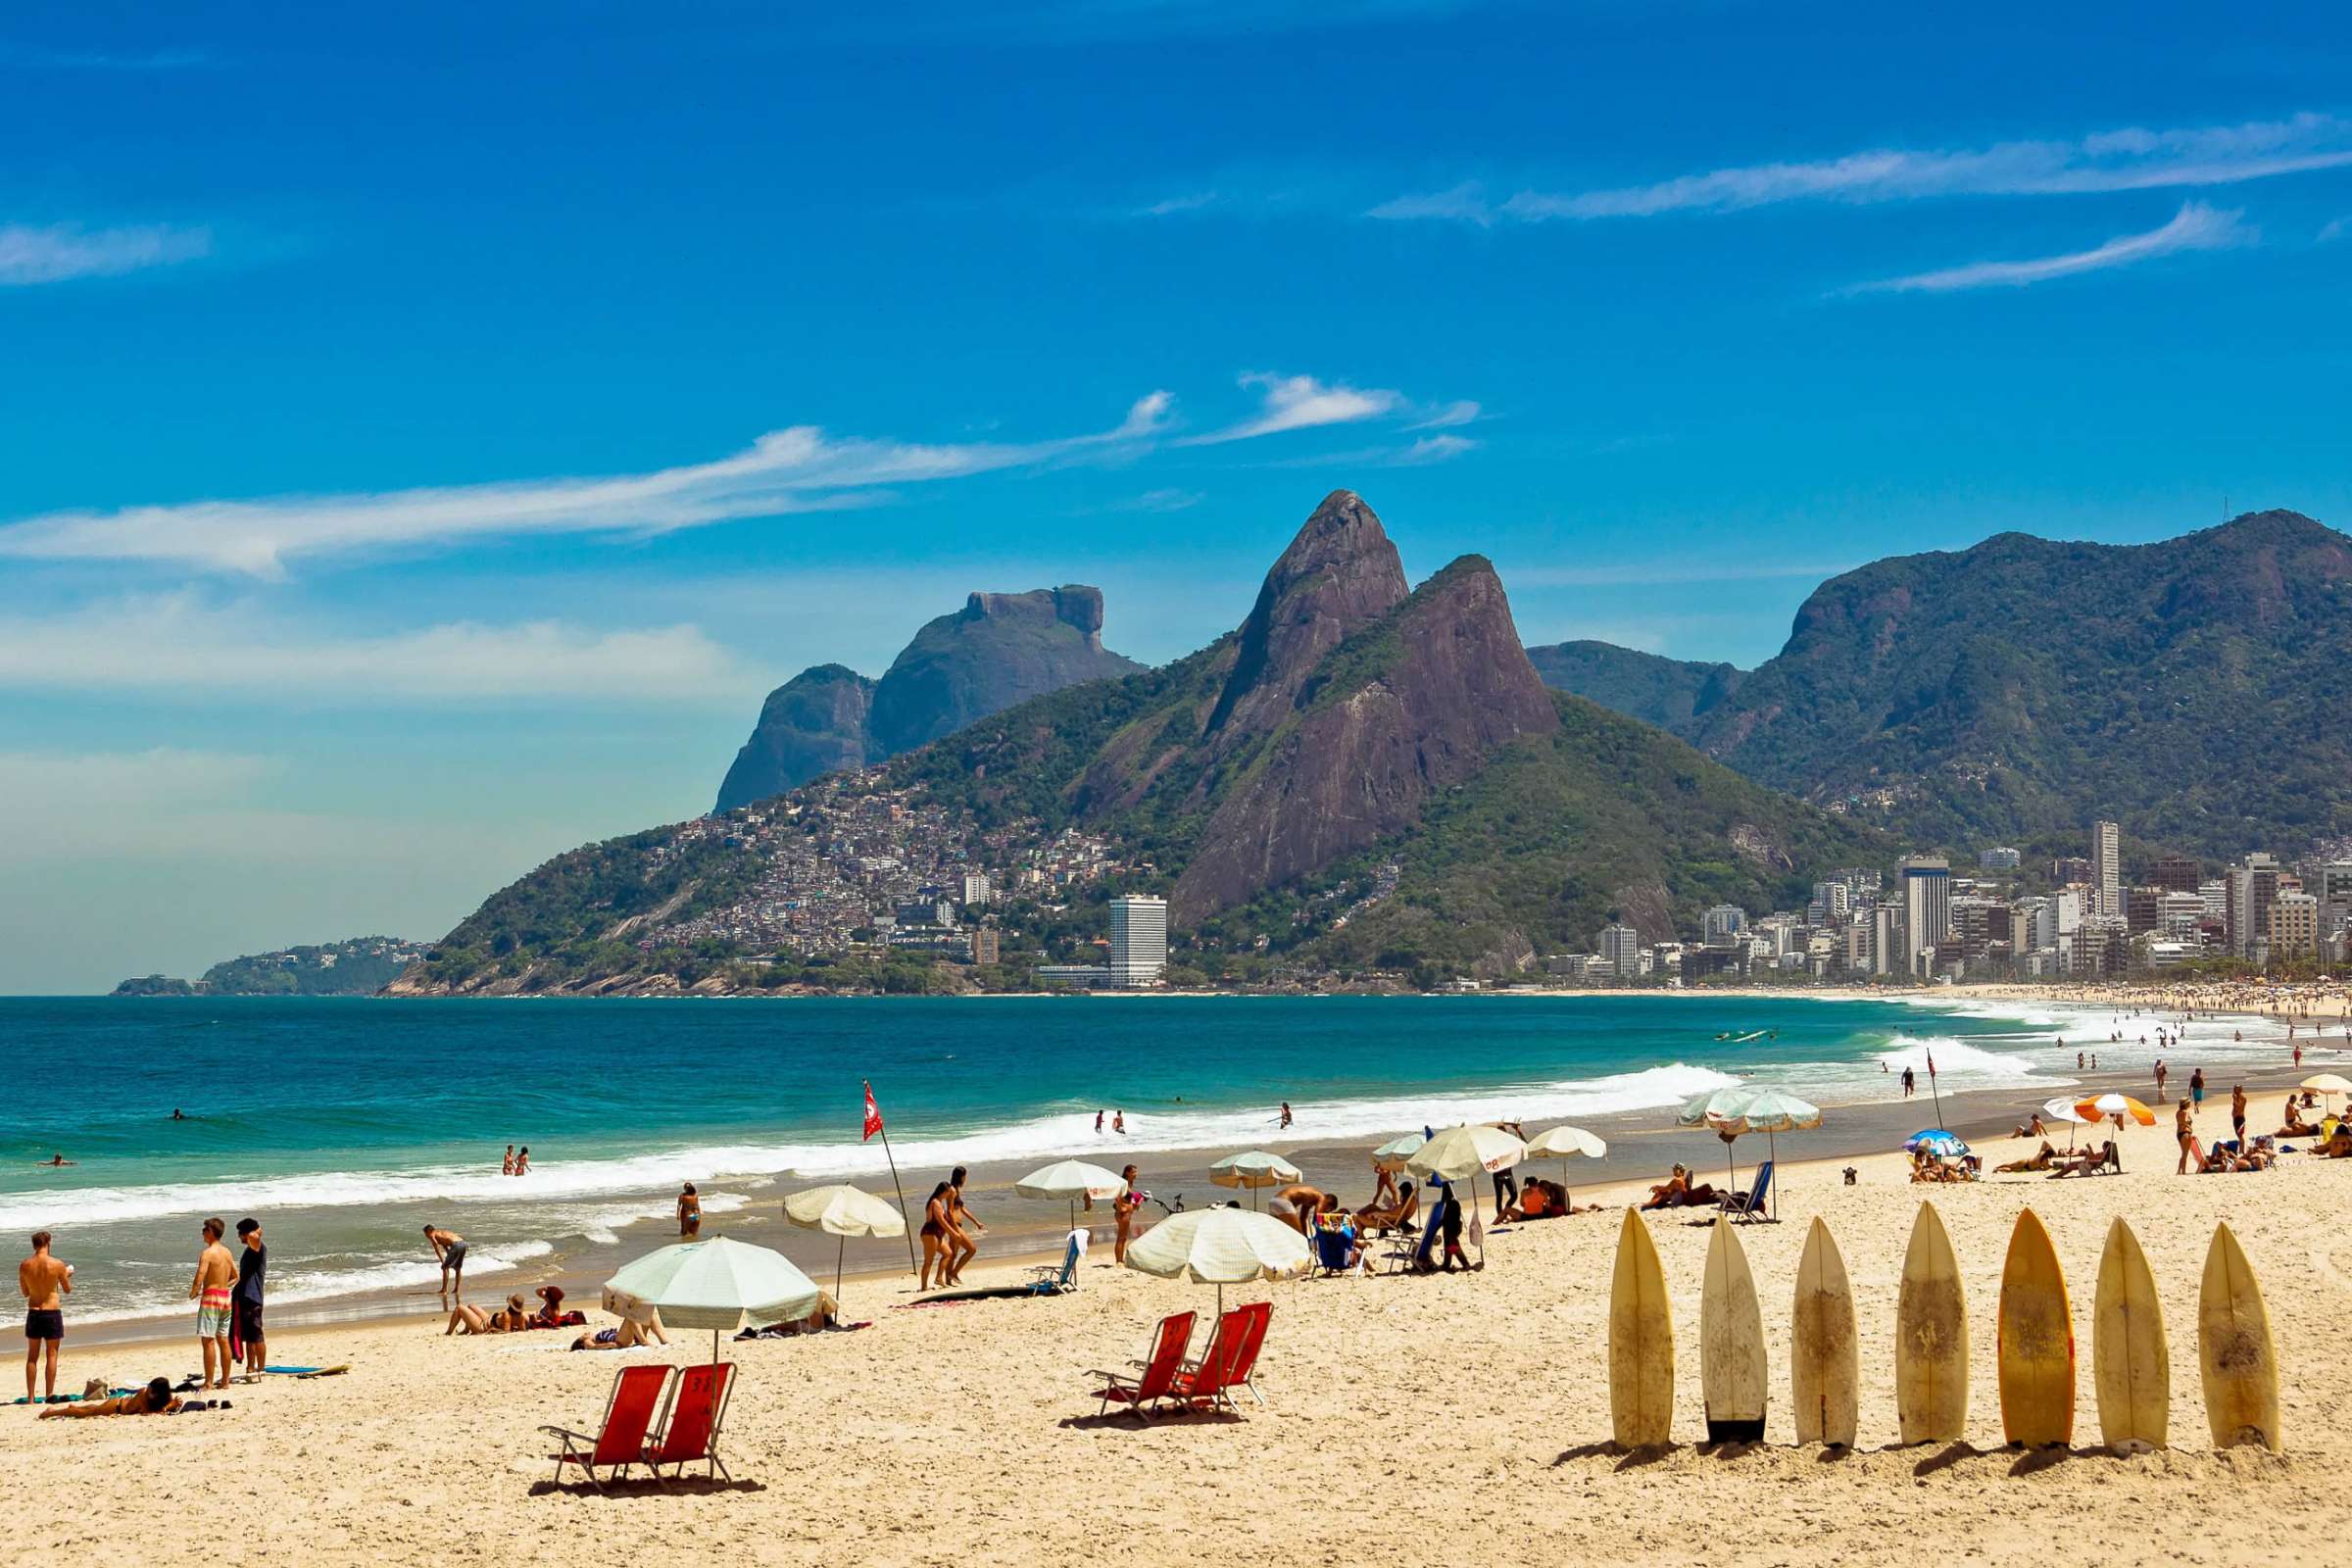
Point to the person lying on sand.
(627, 1337)
(1680, 1191)
(2033, 1128)
(816, 1322)
(471, 1319)
(2338, 1145)
(2042, 1158)
(155, 1398)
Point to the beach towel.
(307, 1371)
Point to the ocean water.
(346, 1125)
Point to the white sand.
(1409, 1418)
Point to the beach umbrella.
(843, 1211)
(1219, 1247)
(1936, 1140)
(1071, 1179)
(1561, 1143)
(2116, 1106)
(1391, 1155)
(717, 1284)
(1721, 1100)
(2327, 1083)
(1770, 1111)
(1252, 1169)
(1461, 1153)
(2063, 1109)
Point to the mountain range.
(2186, 689)
(999, 650)
(1363, 774)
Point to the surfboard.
(2233, 1345)
(1640, 1342)
(1823, 1357)
(2130, 1366)
(2037, 1341)
(1931, 1337)
(1731, 1342)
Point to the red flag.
(870, 1099)
(874, 1114)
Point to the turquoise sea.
(347, 1124)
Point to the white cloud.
(2333, 229)
(174, 644)
(1458, 413)
(1164, 501)
(1432, 449)
(56, 254)
(2132, 158)
(1303, 402)
(1174, 205)
(791, 471)
(2195, 227)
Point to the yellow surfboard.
(1731, 1342)
(1641, 1343)
(2130, 1366)
(1931, 1337)
(1823, 1358)
(2037, 1341)
(2233, 1345)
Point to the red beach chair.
(696, 1412)
(1238, 1332)
(1158, 1379)
(1244, 1360)
(620, 1441)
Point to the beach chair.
(1750, 1205)
(1205, 1381)
(1052, 1279)
(1159, 1374)
(1331, 1249)
(1241, 1372)
(619, 1439)
(696, 1410)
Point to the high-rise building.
(2181, 915)
(2069, 869)
(2248, 892)
(2176, 874)
(2143, 909)
(1725, 920)
(1139, 940)
(1837, 899)
(1998, 859)
(1927, 906)
(1621, 950)
(2293, 926)
(987, 945)
(975, 888)
(2106, 868)
(1890, 949)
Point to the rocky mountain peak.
(1340, 575)
(1073, 605)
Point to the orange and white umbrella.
(2115, 1105)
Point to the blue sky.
(427, 435)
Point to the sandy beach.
(966, 1433)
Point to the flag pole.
(880, 1127)
(1936, 1089)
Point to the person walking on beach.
(2196, 1087)
(252, 1264)
(213, 1290)
(2160, 1071)
(1910, 1083)
(1122, 1213)
(2237, 1113)
(690, 1213)
(939, 1235)
(2298, 1055)
(44, 1282)
(965, 1223)
(448, 1251)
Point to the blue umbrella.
(1936, 1140)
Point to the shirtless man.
(448, 1251)
(213, 1290)
(44, 1282)
(155, 1398)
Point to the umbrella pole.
(1772, 1142)
(840, 1250)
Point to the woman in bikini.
(1122, 1213)
(939, 1236)
(965, 1223)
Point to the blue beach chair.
(1750, 1205)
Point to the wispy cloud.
(791, 471)
(2132, 158)
(2333, 229)
(52, 255)
(1171, 206)
(1164, 501)
(1303, 402)
(176, 645)
(1432, 449)
(1457, 412)
(2195, 227)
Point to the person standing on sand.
(2185, 1129)
(213, 1290)
(690, 1213)
(939, 1235)
(252, 1264)
(1910, 1083)
(2298, 1055)
(448, 1251)
(964, 1223)
(44, 1282)
(2160, 1071)
(1122, 1213)
(2237, 1113)
(2196, 1087)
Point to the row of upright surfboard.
(2131, 1366)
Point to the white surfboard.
(1931, 1337)
(1824, 1354)
(1640, 1342)
(1730, 1343)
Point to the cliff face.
(999, 650)
(1414, 703)
(814, 724)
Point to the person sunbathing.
(627, 1337)
(2034, 1128)
(2338, 1145)
(2296, 1126)
(471, 1319)
(2042, 1158)
(1538, 1200)
(1373, 1217)
(155, 1398)
(2085, 1161)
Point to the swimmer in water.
(54, 1160)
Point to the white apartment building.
(1139, 940)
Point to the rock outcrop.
(813, 724)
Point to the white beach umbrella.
(1391, 1155)
(1561, 1143)
(1071, 1179)
(717, 1284)
(1770, 1111)
(1219, 1247)
(2327, 1083)
(1462, 1154)
(1723, 1100)
(1252, 1169)
(843, 1211)
(2063, 1109)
